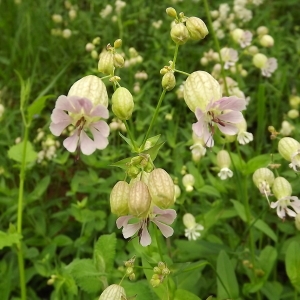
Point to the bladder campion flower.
(289, 149)
(160, 217)
(192, 228)
(282, 191)
(84, 107)
(267, 65)
(224, 162)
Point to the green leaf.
(127, 140)
(292, 264)
(104, 252)
(259, 161)
(226, 282)
(153, 151)
(210, 191)
(272, 290)
(62, 240)
(141, 289)
(123, 164)
(37, 106)
(86, 275)
(8, 239)
(186, 295)
(16, 152)
(259, 224)
(267, 260)
(40, 189)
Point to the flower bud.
(161, 265)
(188, 180)
(237, 34)
(89, 47)
(252, 50)
(161, 188)
(179, 34)
(106, 63)
(262, 30)
(281, 188)
(119, 198)
(92, 88)
(294, 101)
(263, 178)
(266, 41)
(118, 60)
(168, 81)
(118, 43)
(189, 220)
(196, 28)
(131, 277)
(122, 103)
(129, 271)
(113, 292)
(139, 199)
(293, 113)
(199, 89)
(171, 12)
(259, 60)
(57, 18)
(66, 33)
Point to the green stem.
(207, 11)
(158, 245)
(175, 56)
(20, 210)
(130, 136)
(154, 117)
(181, 72)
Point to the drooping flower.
(160, 217)
(225, 113)
(192, 228)
(267, 65)
(229, 57)
(82, 114)
(282, 191)
(243, 37)
(289, 149)
(224, 162)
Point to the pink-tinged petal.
(166, 230)
(87, 145)
(145, 239)
(57, 129)
(66, 103)
(59, 115)
(232, 117)
(131, 229)
(71, 142)
(102, 127)
(123, 221)
(100, 111)
(200, 115)
(198, 128)
(274, 204)
(86, 105)
(100, 141)
(207, 137)
(228, 129)
(232, 103)
(165, 215)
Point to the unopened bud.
(122, 103)
(171, 12)
(161, 265)
(118, 43)
(165, 271)
(157, 270)
(266, 41)
(119, 198)
(92, 88)
(139, 199)
(129, 271)
(106, 63)
(281, 188)
(223, 159)
(131, 277)
(168, 81)
(259, 60)
(293, 113)
(262, 30)
(287, 147)
(161, 188)
(118, 60)
(196, 28)
(179, 34)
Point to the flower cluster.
(146, 199)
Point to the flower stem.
(154, 117)
(157, 242)
(217, 45)
(130, 136)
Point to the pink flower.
(224, 112)
(82, 114)
(270, 67)
(160, 217)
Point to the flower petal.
(87, 145)
(123, 221)
(66, 103)
(145, 238)
(232, 117)
(228, 129)
(100, 141)
(165, 215)
(131, 229)
(166, 230)
(71, 142)
(57, 129)
(102, 127)
(59, 115)
(232, 103)
(100, 111)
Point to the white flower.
(192, 228)
(229, 57)
(225, 173)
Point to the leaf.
(16, 153)
(40, 189)
(37, 106)
(259, 224)
(142, 290)
(62, 240)
(267, 259)
(104, 252)
(292, 264)
(153, 151)
(259, 161)
(86, 275)
(272, 290)
(186, 295)
(210, 191)
(123, 164)
(226, 282)
(8, 239)
(127, 140)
